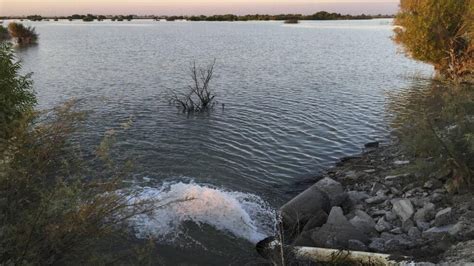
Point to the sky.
(192, 7)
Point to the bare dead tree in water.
(199, 97)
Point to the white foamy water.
(240, 214)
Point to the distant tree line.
(322, 15)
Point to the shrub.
(292, 21)
(199, 97)
(23, 34)
(35, 18)
(17, 98)
(51, 210)
(439, 32)
(88, 19)
(435, 122)
(4, 35)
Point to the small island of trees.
(22, 35)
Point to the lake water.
(297, 97)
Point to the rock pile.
(377, 202)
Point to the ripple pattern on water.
(296, 98)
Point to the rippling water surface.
(296, 98)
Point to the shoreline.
(378, 201)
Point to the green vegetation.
(4, 35)
(52, 211)
(23, 35)
(434, 123)
(439, 32)
(89, 18)
(17, 97)
(292, 21)
(35, 18)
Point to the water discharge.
(243, 215)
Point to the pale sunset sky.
(193, 7)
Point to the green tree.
(439, 32)
(17, 98)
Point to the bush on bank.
(4, 35)
(23, 35)
(440, 33)
(54, 207)
(435, 124)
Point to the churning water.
(296, 98)
(243, 215)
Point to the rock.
(403, 208)
(432, 184)
(459, 254)
(341, 200)
(390, 216)
(395, 191)
(398, 162)
(304, 239)
(356, 245)
(374, 144)
(419, 203)
(363, 222)
(437, 232)
(406, 225)
(457, 229)
(332, 188)
(343, 160)
(426, 213)
(423, 226)
(437, 197)
(337, 231)
(444, 217)
(377, 245)
(378, 213)
(395, 177)
(351, 175)
(267, 248)
(396, 231)
(393, 245)
(336, 217)
(414, 233)
(357, 196)
(386, 236)
(377, 187)
(440, 191)
(300, 209)
(364, 216)
(376, 200)
(317, 220)
(382, 225)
